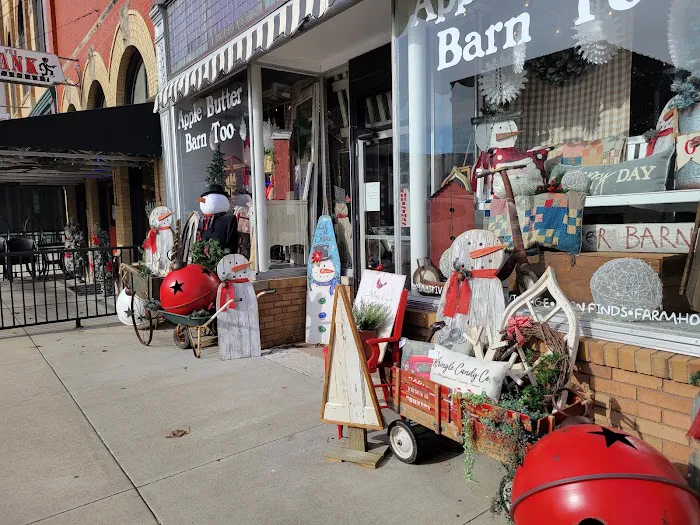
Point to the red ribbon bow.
(515, 323)
(652, 143)
(228, 292)
(459, 293)
(150, 242)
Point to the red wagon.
(421, 402)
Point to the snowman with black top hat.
(214, 204)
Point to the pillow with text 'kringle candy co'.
(634, 176)
(465, 374)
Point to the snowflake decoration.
(519, 57)
(243, 129)
(502, 83)
(269, 128)
(597, 41)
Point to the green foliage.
(208, 253)
(369, 316)
(695, 379)
(215, 171)
(468, 445)
(687, 89)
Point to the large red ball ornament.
(593, 475)
(188, 289)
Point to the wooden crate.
(575, 280)
(149, 285)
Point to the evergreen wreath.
(559, 68)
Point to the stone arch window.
(136, 85)
(96, 96)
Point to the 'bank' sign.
(23, 66)
(454, 47)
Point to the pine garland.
(74, 240)
(687, 89)
(101, 264)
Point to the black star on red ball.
(177, 287)
(612, 437)
(206, 271)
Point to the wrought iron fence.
(54, 284)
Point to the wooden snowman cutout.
(159, 242)
(472, 302)
(238, 326)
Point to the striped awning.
(283, 21)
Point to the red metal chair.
(373, 363)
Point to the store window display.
(577, 111)
(214, 147)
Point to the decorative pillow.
(582, 153)
(634, 176)
(462, 373)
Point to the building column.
(419, 152)
(258, 161)
(122, 196)
(93, 203)
(71, 204)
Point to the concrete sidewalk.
(86, 413)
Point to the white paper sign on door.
(372, 196)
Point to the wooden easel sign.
(349, 398)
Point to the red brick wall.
(645, 392)
(283, 313)
(100, 22)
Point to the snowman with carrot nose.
(238, 325)
(473, 296)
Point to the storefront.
(584, 80)
(382, 114)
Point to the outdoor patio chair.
(17, 245)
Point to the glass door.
(377, 203)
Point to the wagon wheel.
(143, 325)
(181, 337)
(403, 441)
(505, 492)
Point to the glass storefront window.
(589, 96)
(219, 119)
(291, 137)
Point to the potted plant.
(368, 317)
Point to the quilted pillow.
(634, 176)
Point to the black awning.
(127, 130)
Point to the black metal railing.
(55, 284)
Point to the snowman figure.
(238, 326)
(217, 223)
(664, 137)
(323, 277)
(496, 140)
(159, 242)
(473, 296)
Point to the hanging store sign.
(23, 66)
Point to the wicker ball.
(626, 284)
(575, 180)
